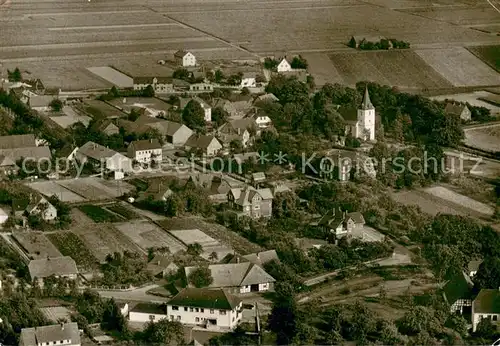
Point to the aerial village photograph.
(249, 172)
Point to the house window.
(495, 318)
(171, 317)
(222, 312)
(202, 310)
(185, 309)
(176, 308)
(152, 317)
(212, 311)
(191, 310)
(178, 318)
(197, 319)
(197, 310)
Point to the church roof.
(367, 103)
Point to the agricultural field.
(100, 109)
(478, 16)
(93, 189)
(123, 211)
(113, 76)
(69, 244)
(474, 98)
(36, 244)
(50, 188)
(147, 235)
(483, 138)
(99, 214)
(69, 117)
(489, 54)
(402, 68)
(460, 67)
(451, 196)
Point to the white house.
(40, 206)
(473, 267)
(360, 123)
(145, 151)
(209, 308)
(147, 312)
(185, 59)
(284, 66)
(261, 119)
(102, 156)
(66, 334)
(159, 84)
(486, 305)
(248, 80)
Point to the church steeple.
(366, 104)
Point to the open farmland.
(147, 235)
(489, 54)
(113, 76)
(36, 245)
(99, 214)
(460, 67)
(50, 188)
(71, 245)
(101, 109)
(451, 196)
(92, 189)
(479, 15)
(484, 138)
(402, 68)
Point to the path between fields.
(6, 237)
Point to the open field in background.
(479, 14)
(99, 214)
(460, 67)
(485, 138)
(69, 244)
(36, 245)
(489, 54)
(220, 233)
(474, 98)
(147, 235)
(209, 244)
(451, 196)
(402, 68)
(50, 188)
(70, 117)
(100, 109)
(113, 76)
(101, 239)
(492, 99)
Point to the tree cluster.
(124, 269)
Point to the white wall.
(476, 318)
(284, 66)
(189, 60)
(144, 317)
(225, 318)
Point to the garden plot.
(101, 109)
(96, 188)
(123, 211)
(426, 204)
(99, 214)
(460, 67)
(209, 244)
(69, 118)
(50, 188)
(113, 76)
(464, 201)
(147, 235)
(56, 313)
(36, 245)
(71, 245)
(484, 138)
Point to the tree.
(219, 116)
(298, 62)
(213, 256)
(194, 249)
(352, 42)
(164, 332)
(193, 116)
(112, 318)
(219, 76)
(201, 277)
(486, 329)
(181, 73)
(245, 91)
(488, 274)
(149, 91)
(56, 105)
(15, 76)
(271, 64)
(284, 318)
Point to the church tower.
(366, 119)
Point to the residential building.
(252, 202)
(486, 305)
(209, 308)
(262, 258)
(360, 123)
(258, 178)
(184, 58)
(268, 97)
(284, 65)
(238, 129)
(145, 151)
(242, 106)
(473, 267)
(157, 191)
(458, 109)
(248, 80)
(40, 206)
(103, 158)
(159, 84)
(57, 266)
(238, 277)
(226, 105)
(201, 87)
(105, 126)
(17, 141)
(174, 133)
(205, 106)
(458, 293)
(147, 312)
(208, 145)
(8, 166)
(66, 334)
(216, 187)
(40, 103)
(162, 265)
(260, 118)
(341, 223)
(17, 147)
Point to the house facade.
(209, 308)
(248, 80)
(100, 156)
(341, 223)
(147, 312)
(208, 145)
(458, 109)
(57, 266)
(248, 201)
(145, 151)
(40, 206)
(284, 66)
(159, 84)
(201, 87)
(458, 293)
(185, 59)
(486, 305)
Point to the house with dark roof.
(98, 155)
(262, 258)
(184, 58)
(458, 109)
(66, 334)
(341, 223)
(248, 201)
(34, 205)
(458, 293)
(486, 305)
(147, 312)
(8, 166)
(105, 126)
(268, 97)
(17, 147)
(159, 84)
(174, 133)
(57, 266)
(238, 277)
(208, 308)
(238, 129)
(162, 265)
(145, 151)
(208, 145)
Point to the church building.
(360, 123)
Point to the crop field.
(424, 202)
(69, 244)
(147, 235)
(402, 68)
(209, 244)
(93, 189)
(113, 76)
(98, 214)
(451, 196)
(70, 117)
(475, 98)
(489, 54)
(101, 109)
(123, 211)
(460, 67)
(50, 188)
(101, 238)
(479, 15)
(484, 138)
(36, 245)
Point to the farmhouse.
(205, 106)
(486, 305)
(145, 151)
(458, 109)
(159, 84)
(58, 266)
(284, 65)
(360, 123)
(341, 223)
(236, 130)
(98, 155)
(238, 277)
(147, 312)
(458, 293)
(162, 265)
(17, 147)
(201, 87)
(105, 126)
(208, 145)
(8, 166)
(66, 334)
(185, 59)
(39, 103)
(262, 258)
(248, 80)
(174, 133)
(252, 202)
(40, 206)
(209, 308)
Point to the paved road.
(138, 295)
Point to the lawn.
(69, 244)
(489, 54)
(99, 214)
(123, 211)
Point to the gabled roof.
(356, 216)
(348, 113)
(45, 335)
(459, 287)
(6, 161)
(333, 218)
(200, 141)
(180, 53)
(160, 263)
(146, 144)
(473, 266)
(258, 176)
(17, 141)
(184, 101)
(102, 125)
(42, 268)
(262, 258)
(266, 98)
(150, 308)
(32, 152)
(249, 75)
(487, 302)
(37, 200)
(205, 298)
(96, 151)
(236, 274)
(40, 100)
(454, 108)
(243, 196)
(20, 204)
